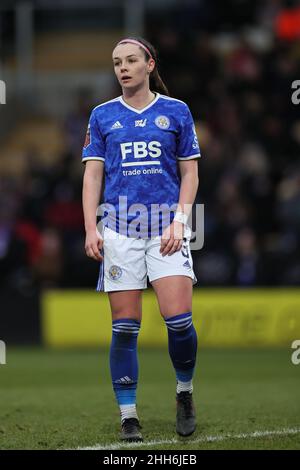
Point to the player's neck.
(138, 99)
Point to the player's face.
(130, 66)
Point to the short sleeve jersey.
(140, 149)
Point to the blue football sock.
(124, 363)
(182, 348)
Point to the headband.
(138, 43)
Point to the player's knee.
(125, 330)
(179, 324)
(121, 314)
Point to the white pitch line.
(217, 438)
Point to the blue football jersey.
(140, 150)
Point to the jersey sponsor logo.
(87, 137)
(195, 142)
(115, 272)
(141, 149)
(117, 125)
(140, 123)
(162, 122)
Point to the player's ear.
(151, 65)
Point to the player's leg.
(126, 308)
(124, 277)
(174, 294)
(126, 304)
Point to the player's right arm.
(92, 185)
(93, 156)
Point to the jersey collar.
(139, 111)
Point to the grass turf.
(63, 399)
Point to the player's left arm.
(189, 185)
(188, 190)
(188, 151)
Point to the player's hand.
(172, 238)
(93, 245)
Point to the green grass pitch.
(64, 400)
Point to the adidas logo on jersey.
(124, 380)
(116, 125)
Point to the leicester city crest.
(162, 122)
(115, 272)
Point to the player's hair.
(156, 82)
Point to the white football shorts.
(128, 261)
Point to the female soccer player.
(145, 144)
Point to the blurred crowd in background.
(234, 67)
